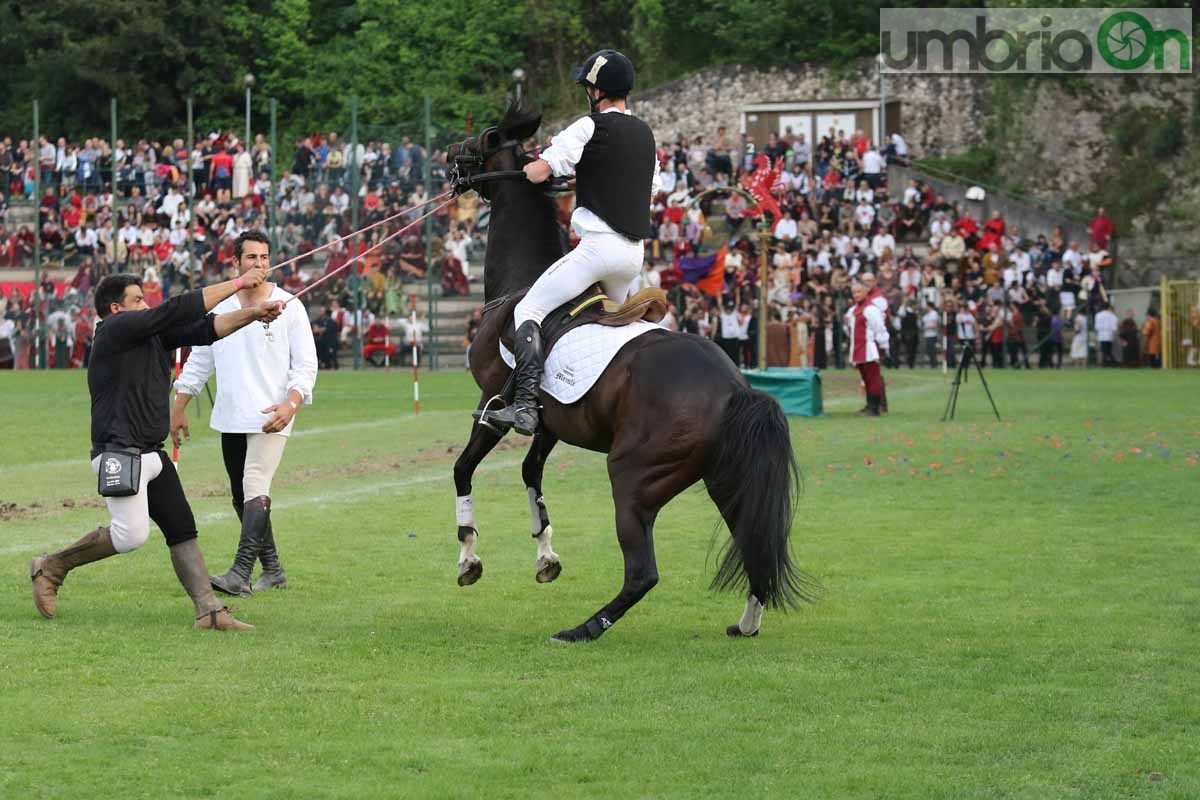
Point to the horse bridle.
(475, 155)
(462, 179)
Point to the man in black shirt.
(130, 380)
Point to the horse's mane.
(521, 116)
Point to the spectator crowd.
(175, 215)
(948, 277)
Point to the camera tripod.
(966, 359)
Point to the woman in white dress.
(1079, 342)
(243, 165)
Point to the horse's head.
(500, 148)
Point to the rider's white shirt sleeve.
(566, 150)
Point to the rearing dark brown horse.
(670, 409)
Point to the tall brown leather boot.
(48, 571)
(193, 574)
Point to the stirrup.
(484, 416)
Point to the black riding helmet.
(607, 70)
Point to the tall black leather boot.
(272, 576)
(255, 518)
(524, 413)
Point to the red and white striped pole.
(178, 369)
(416, 365)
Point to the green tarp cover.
(798, 390)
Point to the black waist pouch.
(120, 473)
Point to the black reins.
(461, 179)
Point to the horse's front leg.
(548, 564)
(482, 440)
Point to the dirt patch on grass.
(437, 453)
(15, 512)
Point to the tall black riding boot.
(272, 576)
(523, 414)
(255, 518)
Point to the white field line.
(215, 442)
(324, 499)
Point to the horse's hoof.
(571, 636)
(548, 570)
(735, 631)
(469, 572)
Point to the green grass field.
(1010, 610)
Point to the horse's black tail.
(753, 478)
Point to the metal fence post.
(355, 177)
(273, 193)
(37, 238)
(113, 148)
(430, 293)
(191, 193)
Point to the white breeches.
(264, 451)
(607, 258)
(130, 525)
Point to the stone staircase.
(446, 335)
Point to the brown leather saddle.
(590, 308)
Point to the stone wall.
(939, 113)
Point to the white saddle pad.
(580, 357)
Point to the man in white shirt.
(667, 182)
(1072, 258)
(873, 166)
(264, 374)
(171, 201)
(614, 185)
(785, 229)
(869, 340)
(8, 332)
(1054, 278)
(1010, 276)
(1023, 263)
(459, 247)
(864, 213)
(339, 200)
(883, 243)
(86, 240)
(841, 244)
(796, 180)
(146, 237)
(1106, 332)
(930, 324)
(939, 228)
(801, 151)
(178, 234)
